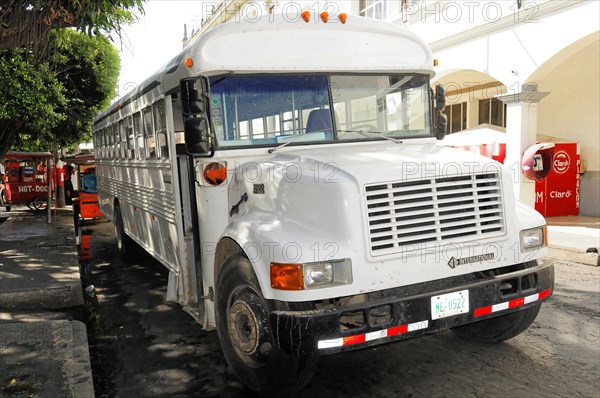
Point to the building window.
(457, 117)
(492, 111)
(376, 9)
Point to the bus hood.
(382, 162)
(325, 184)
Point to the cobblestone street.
(141, 344)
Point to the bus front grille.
(406, 215)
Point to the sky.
(155, 39)
(157, 36)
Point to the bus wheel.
(125, 245)
(246, 336)
(500, 328)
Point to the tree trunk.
(8, 133)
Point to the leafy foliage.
(30, 96)
(85, 69)
(53, 80)
(28, 23)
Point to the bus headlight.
(327, 273)
(311, 275)
(534, 238)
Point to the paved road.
(142, 346)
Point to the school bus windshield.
(270, 110)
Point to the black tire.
(39, 203)
(246, 337)
(76, 221)
(3, 200)
(125, 245)
(500, 328)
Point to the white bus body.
(294, 240)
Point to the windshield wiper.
(291, 140)
(373, 134)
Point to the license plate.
(449, 304)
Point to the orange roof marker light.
(189, 62)
(343, 17)
(436, 62)
(325, 16)
(306, 16)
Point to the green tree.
(30, 96)
(39, 101)
(29, 23)
(87, 67)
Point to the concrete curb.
(60, 367)
(564, 253)
(51, 297)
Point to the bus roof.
(287, 44)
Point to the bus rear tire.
(246, 337)
(125, 245)
(500, 328)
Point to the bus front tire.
(246, 337)
(125, 245)
(500, 328)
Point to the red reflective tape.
(397, 330)
(483, 311)
(516, 303)
(360, 338)
(544, 294)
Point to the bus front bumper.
(326, 331)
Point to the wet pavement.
(141, 345)
(144, 347)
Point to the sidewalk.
(574, 239)
(43, 351)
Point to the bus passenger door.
(189, 222)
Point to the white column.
(521, 133)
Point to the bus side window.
(104, 143)
(123, 139)
(130, 138)
(160, 125)
(110, 140)
(95, 143)
(116, 141)
(149, 133)
(178, 122)
(139, 134)
(101, 143)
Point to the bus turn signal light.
(287, 276)
(189, 62)
(215, 173)
(343, 18)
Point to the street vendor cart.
(85, 204)
(27, 180)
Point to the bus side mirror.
(194, 99)
(440, 105)
(442, 126)
(440, 98)
(193, 95)
(197, 138)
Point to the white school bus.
(286, 173)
